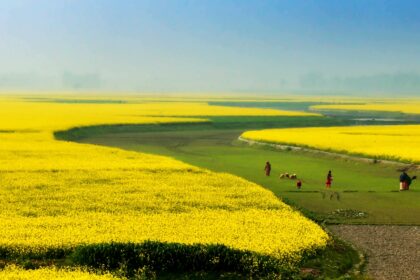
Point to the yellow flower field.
(16, 273)
(397, 142)
(400, 106)
(57, 194)
(47, 116)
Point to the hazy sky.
(260, 46)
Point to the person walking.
(329, 180)
(267, 168)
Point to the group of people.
(405, 179)
(328, 182)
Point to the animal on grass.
(334, 194)
(287, 175)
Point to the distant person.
(267, 168)
(405, 181)
(329, 180)
(298, 184)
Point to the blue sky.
(206, 46)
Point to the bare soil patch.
(392, 252)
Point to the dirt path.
(393, 252)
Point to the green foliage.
(148, 257)
(20, 254)
(338, 259)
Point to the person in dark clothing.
(267, 168)
(403, 176)
(405, 181)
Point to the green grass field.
(369, 188)
(359, 186)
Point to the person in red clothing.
(267, 168)
(329, 180)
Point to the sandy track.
(393, 252)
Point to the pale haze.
(343, 47)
